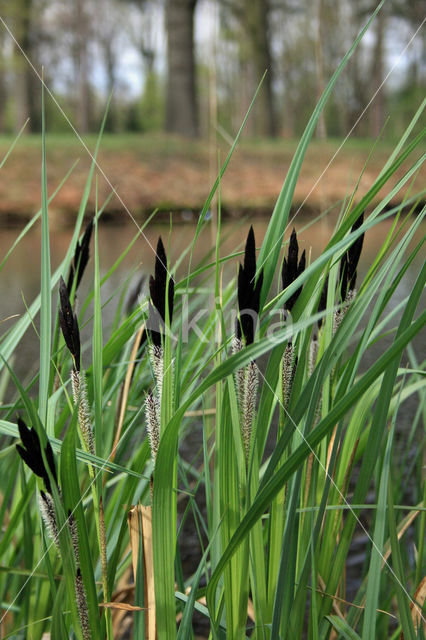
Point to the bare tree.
(181, 102)
(107, 36)
(81, 37)
(319, 55)
(377, 74)
(255, 16)
(246, 25)
(23, 19)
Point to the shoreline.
(175, 176)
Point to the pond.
(20, 278)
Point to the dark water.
(20, 283)
(20, 278)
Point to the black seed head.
(250, 255)
(349, 261)
(30, 452)
(343, 276)
(69, 324)
(80, 259)
(158, 288)
(292, 268)
(248, 291)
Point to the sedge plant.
(300, 443)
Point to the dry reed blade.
(126, 389)
(140, 531)
(417, 606)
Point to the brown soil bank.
(171, 174)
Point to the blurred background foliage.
(192, 66)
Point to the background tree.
(245, 26)
(377, 75)
(181, 101)
(147, 111)
(23, 16)
(87, 47)
(255, 16)
(107, 37)
(80, 51)
(3, 83)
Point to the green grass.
(275, 525)
(162, 143)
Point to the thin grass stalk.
(236, 583)
(45, 291)
(126, 389)
(96, 483)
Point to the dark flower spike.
(30, 452)
(157, 289)
(349, 261)
(292, 268)
(343, 276)
(248, 291)
(80, 259)
(69, 324)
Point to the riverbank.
(175, 175)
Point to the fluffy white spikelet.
(47, 510)
(83, 612)
(157, 361)
(79, 392)
(72, 525)
(313, 353)
(340, 314)
(249, 406)
(237, 346)
(350, 296)
(287, 373)
(246, 382)
(337, 319)
(152, 423)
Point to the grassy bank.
(173, 174)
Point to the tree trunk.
(321, 131)
(27, 90)
(111, 123)
(377, 106)
(256, 16)
(181, 103)
(33, 89)
(80, 54)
